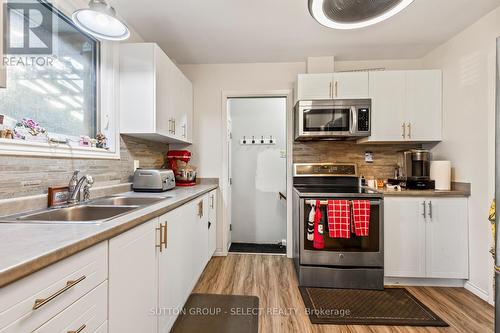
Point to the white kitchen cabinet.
(406, 106)
(404, 238)
(3, 69)
(156, 98)
(348, 85)
(89, 313)
(60, 285)
(212, 224)
(426, 237)
(133, 280)
(447, 238)
(424, 105)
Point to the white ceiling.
(227, 31)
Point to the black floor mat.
(392, 306)
(257, 248)
(206, 313)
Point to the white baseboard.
(477, 291)
(423, 282)
(220, 254)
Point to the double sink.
(92, 212)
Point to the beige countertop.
(27, 248)
(424, 193)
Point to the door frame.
(224, 182)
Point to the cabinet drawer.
(60, 285)
(88, 314)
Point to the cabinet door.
(165, 93)
(183, 106)
(173, 268)
(447, 238)
(212, 224)
(387, 91)
(133, 280)
(424, 105)
(404, 232)
(350, 85)
(314, 86)
(202, 235)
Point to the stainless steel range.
(350, 263)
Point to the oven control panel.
(324, 170)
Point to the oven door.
(325, 121)
(352, 252)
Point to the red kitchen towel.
(339, 218)
(318, 242)
(361, 216)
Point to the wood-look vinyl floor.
(273, 280)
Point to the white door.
(229, 140)
(212, 224)
(387, 91)
(314, 86)
(172, 289)
(447, 240)
(424, 105)
(133, 280)
(404, 237)
(350, 85)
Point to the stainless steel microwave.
(338, 119)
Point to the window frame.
(107, 111)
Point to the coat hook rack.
(258, 140)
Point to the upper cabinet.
(3, 70)
(331, 86)
(406, 106)
(156, 98)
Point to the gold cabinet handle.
(200, 209)
(165, 234)
(212, 201)
(69, 284)
(331, 90)
(160, 229)
(81, 328)
(403, 127)
(409, 130)
(336, 88)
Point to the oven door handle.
(354, 120)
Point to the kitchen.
(430, 88)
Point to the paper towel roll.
(441, 173)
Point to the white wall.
(258, 171)
(468, 64)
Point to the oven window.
(353, 244)
(327, 120)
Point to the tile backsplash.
(22, 176)
(386, 157)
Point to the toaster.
(153, 180)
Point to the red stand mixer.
(178, 161)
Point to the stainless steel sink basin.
(76, 214)
(128, 201)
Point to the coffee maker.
(417, 168)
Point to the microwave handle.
(354, 120)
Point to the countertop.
(424, 193)
(27, 248)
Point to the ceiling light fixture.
(354, 14)
(100, 21)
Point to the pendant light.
(100, 21)
(354, 14)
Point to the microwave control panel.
(363, 120)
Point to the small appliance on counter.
(417, 169)
(178, 161)
(153, 180)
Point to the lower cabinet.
(426, 237)
(154, 267)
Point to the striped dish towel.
(361, 216)
(339, 218)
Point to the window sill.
(29, 148)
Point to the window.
(60, 92)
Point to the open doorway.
(258, 174)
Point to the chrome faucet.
(75, 186)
